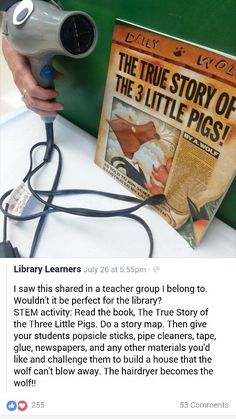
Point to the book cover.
(168, 124)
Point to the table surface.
(70, 236)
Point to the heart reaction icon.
(22, 405)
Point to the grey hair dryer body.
(40, 30)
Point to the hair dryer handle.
(44, 74)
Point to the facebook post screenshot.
(118, 199)
(117, 338)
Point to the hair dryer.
(40, 30)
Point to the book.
(168, 124)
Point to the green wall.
(207, 22)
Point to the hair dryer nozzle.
(78, 34)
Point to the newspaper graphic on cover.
(168, 124)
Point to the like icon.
(11, 406)
(22, 405)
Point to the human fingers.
(39, 99)
(42, 107)
(37, 92)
